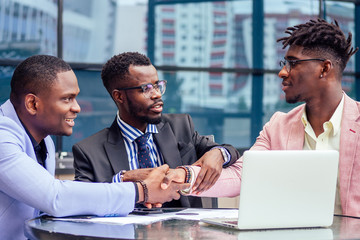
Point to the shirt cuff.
(226, 156)
(117, 178)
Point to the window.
(207, 49)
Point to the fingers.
(198, 163)
(164, 186)
(175, 188)
(182, 186)
(157, 205)
(158, 185)
(207, 177)
(148, 205)
(208, 181)
(159, 172)
(153, 205)
(164, 168)
(174, 194)
(173, 175)
(167, 179)
(199, 179)
(165, 183)
(211, 167)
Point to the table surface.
(42, 228)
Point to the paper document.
(187, 214)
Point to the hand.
(173, 175)
(211, 164)
(155, 205)
(158, 195)
(137, 174)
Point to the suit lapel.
(350, 130)
(296, 133)
(166, 141)
(115, 149)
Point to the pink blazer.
(285, 131)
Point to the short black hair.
(116, 69)
(35, 74)
(323, 38)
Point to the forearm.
(64, 198)
(132, 175)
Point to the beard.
(135, 110)
(150, 120)
(294, 99)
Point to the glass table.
(44, 228)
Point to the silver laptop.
(285, 189)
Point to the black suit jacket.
(99, 157)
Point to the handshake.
(159, 185)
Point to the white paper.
(187, 214)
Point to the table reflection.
(342, 228)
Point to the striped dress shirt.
(129, 134)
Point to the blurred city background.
(220, 58)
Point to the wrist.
(182, 174)
(128, 176)
(136, 174)
(143, 192)
(223, 153)
(188, 178)
(140, 193)
(185, 173)
(122, 175)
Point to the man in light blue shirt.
(42, 102)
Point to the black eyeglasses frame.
(292, 63)
(143, 86)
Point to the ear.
(118, 96)
(31, 103)
(327, 66)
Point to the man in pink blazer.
(311, 72)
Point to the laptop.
(285, 189)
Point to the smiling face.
(56, 108)
(136, 109)
(302, 83)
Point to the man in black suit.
(115, 155)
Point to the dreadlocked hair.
(322, 37)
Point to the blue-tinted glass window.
(27, 28)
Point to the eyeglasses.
(148, 88)
(291, 63)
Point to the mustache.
(285, 83)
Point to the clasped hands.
(210, 164)
(164, 183)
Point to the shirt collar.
(40, 149)
(33, 141)
(335, 119)
(131, 133)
